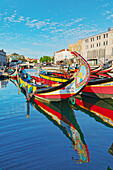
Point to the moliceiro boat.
(97, 69)
(60, 92)
(99, 85)
(99, 88)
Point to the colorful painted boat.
(13, 75)
(51, 77)
(101, 110)
(12, 72)
(65, 74)
(105, 70)
(65, 90)
(44, 81)
(62, 116)
(103, 75)
(97, 69)
(100, 85)
(99, 88)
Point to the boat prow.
(69, 88)
(60, 91)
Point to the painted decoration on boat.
(81, 76)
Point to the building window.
(86, 41)
(79, 48)
(91, 46)
(106, 42)
(72, 48)
(99, 37)
(107, 35)
(86, 47)
(99, 44)
(104, 35)
(92, 39)
(112, 51)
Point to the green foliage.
(45, 59)
(53, 59)
(35, 61)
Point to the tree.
(45, 59)
(35, 61)
(41, 60)
(53, 59)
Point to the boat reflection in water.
(62, 115)
(100, 109)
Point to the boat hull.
(105, 70)
(100, 89)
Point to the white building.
(62, 55)
(98, 47)
(3, 58)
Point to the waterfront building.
(3, 58)
(63, 55)
(15, 57)
(31, 60)
(76, 47)
(96, 49)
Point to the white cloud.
(45, 33)
(13, 18)
(34, 20)
(22, 18)
(109, 17)
(106, 4)
(74, 21)
(106, 12)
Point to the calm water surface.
(55, 136)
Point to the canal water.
(65, 135)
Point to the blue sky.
(35, 28)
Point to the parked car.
(48, 64)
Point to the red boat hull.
(100, 89)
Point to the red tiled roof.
(63, 50)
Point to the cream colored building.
(98, 47)
(76, 47)
(62, 55)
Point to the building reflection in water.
(3, 83)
